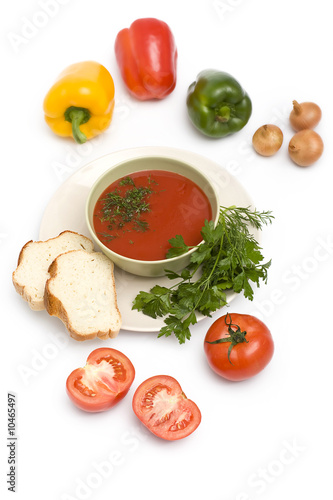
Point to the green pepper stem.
(223, 114)
(77, 116)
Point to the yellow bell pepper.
(80, 103)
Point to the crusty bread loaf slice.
(34, 260)
(81, 292)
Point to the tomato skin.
(102, 382)
(247, 358)
(161, 405)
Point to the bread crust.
(55, 307)
(21, 289)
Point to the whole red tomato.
(238, 346)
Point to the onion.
(306, 147)
(305, 115)
(267, 140)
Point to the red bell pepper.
(146, 54)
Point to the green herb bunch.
(229, 258)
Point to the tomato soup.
(137, 215)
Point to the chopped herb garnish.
(151, 180)
(126, 209)
(108, 237)
(126, 181)
(140, 226)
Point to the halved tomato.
(102, 382)
(163, 408)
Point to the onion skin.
(267, 140)
(305, 147)
(304, 116)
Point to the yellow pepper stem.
(77, 116)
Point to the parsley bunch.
(229, 258)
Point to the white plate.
(66, 209)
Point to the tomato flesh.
(163, 408)
(102, 382)
(247, 358)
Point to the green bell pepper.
(217, 105)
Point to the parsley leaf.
(178, 247)
(229, 258)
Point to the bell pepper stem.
(77, 116)
(223, 114)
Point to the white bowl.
(144, 267)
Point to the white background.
(269, 437)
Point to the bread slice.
(34, 260)
(81, 292)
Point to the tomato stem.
(235, 336)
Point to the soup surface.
(137, 214)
